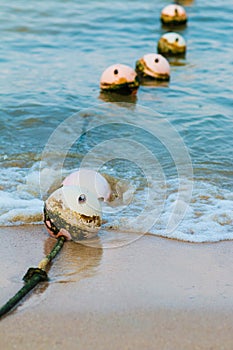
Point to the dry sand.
(152, 294)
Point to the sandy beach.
(168, 150)
(152, 294)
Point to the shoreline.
(154, 293)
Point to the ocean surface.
(170, 147)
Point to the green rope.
(33, 277)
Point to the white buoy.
(73, 212)
(153, 66)
(171, 44)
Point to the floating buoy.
(73, 212)
(91, 179)
(173, 15)
(153, 66)
(171, 44)
(119, 78)
(184, 2)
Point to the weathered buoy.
(172, 44)
(184, 2)
(73, 212)
(91, 179)
(119, 78)
(153, 66)
(173, 15)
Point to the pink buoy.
(173, 15)
(153, 66)
(119, 78)
(90, 179)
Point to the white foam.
(207, 218)
(16, 209)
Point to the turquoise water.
(52, 56)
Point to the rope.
(33, 276)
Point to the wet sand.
(151, 294)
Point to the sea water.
(171, 145)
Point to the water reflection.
(174, 27)
(75, 262)
(130, 100)
(154, 83)
(177, 61)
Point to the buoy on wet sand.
(172, 44)
(91, 179)
(173, 15)
(119, 78)
(73, 212)
(153, 66)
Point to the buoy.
(184, 2)
(153, 66)
(172, 44)
(73, 212)
(91, 179)
(173, 15)
(119, 78)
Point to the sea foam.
(207, 217)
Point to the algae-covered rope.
(33, 276)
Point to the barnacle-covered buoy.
(153, 66)
(119, 78)
(173, 15)
(172, 44)
(91, 179)
(73, 212)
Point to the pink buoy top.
(173, 15)
(117, 74)
(173, 10)
(90, 179)
(156, 64)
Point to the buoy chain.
(33, 276)
(35, 270)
